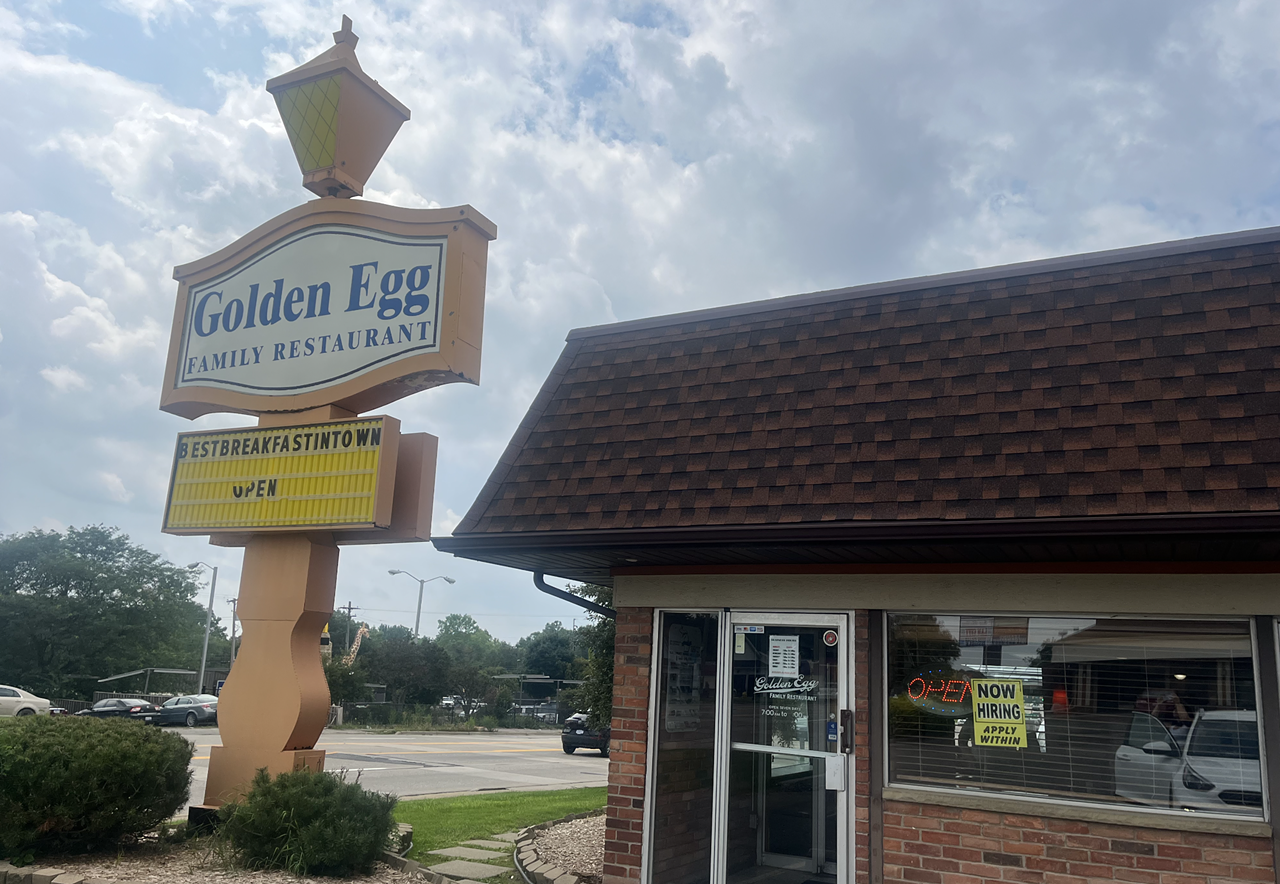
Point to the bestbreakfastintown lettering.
(317, 345)
(259, 444)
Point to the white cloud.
(63, 378)
(443, 526)
(638, 158)
(114, 486)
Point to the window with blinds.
(1152, 713)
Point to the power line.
(476, 614)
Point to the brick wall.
(945, 845)
(861, 751)
(630, 733)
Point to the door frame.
(845, 809)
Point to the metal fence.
(157, 699)
(71, 705)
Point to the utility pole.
(233, 632)
(349, 608)
(208, 621)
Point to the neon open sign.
(942, 692)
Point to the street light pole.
(417, 619)
(233, 631)
(208, 622)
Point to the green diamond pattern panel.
(310, 114)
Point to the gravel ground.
(189, 863)
(576, 846)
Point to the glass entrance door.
(784, 801)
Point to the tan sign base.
(276, 702)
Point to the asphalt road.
(420, 765)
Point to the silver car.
(1214, 766)
(16, 701)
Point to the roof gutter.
(807, 533)
(573, 599)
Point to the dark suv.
(576, 735)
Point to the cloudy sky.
(638, 159)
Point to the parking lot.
(419, 765)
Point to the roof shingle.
(1143, 387)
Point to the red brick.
(1024, 822)
(1046, 838)
(921, 849)
(1230, 857)
(1041, 864)
(1088, 842)
(1075, 828)
(1091, 871)
(939, 865)
(979, 816)
(1115, 860)
(1052, 878)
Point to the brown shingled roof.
(1138, 383)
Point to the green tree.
(414, 670)
(475, 657)
(596, 692)
(346, 681)
(551, 651)
(86, 603)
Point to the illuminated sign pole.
(328, 311)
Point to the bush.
(309, 824)
(81, 783)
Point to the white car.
(1220, 768)
(15, 701)
(1214, 767)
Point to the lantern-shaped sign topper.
(340, 121)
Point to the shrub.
(81, 783)
(309, 824)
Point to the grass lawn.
(446, 822)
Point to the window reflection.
(1159, 713)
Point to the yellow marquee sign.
(317, 476)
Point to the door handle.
(846, 731)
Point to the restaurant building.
(964, 578)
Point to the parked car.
(1215, 766)
(1221, 770)
(191, 710)
(16, 701)
(1147, 761)
(576, 735)
(118, 707)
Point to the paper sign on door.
(784, 656)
